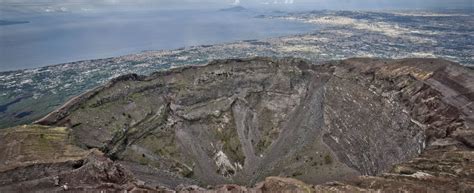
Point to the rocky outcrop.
(369, 124)
(44, 159)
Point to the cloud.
(236, 2)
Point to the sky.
(307, 4)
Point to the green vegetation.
(39, 144)
(295, 174)
(328, 159)
(230, 139)
(268, 129)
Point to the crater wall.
(239, 121)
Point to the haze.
(291, 4)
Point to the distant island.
(7, 22)
(235, 9)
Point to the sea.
(54, 38)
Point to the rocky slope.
(44, 159)
(370, 124)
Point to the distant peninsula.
(234, 9)
(10, 22)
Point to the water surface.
(66, 37)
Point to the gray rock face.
(366, 130)
(239, 121)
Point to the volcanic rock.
(354, 125)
